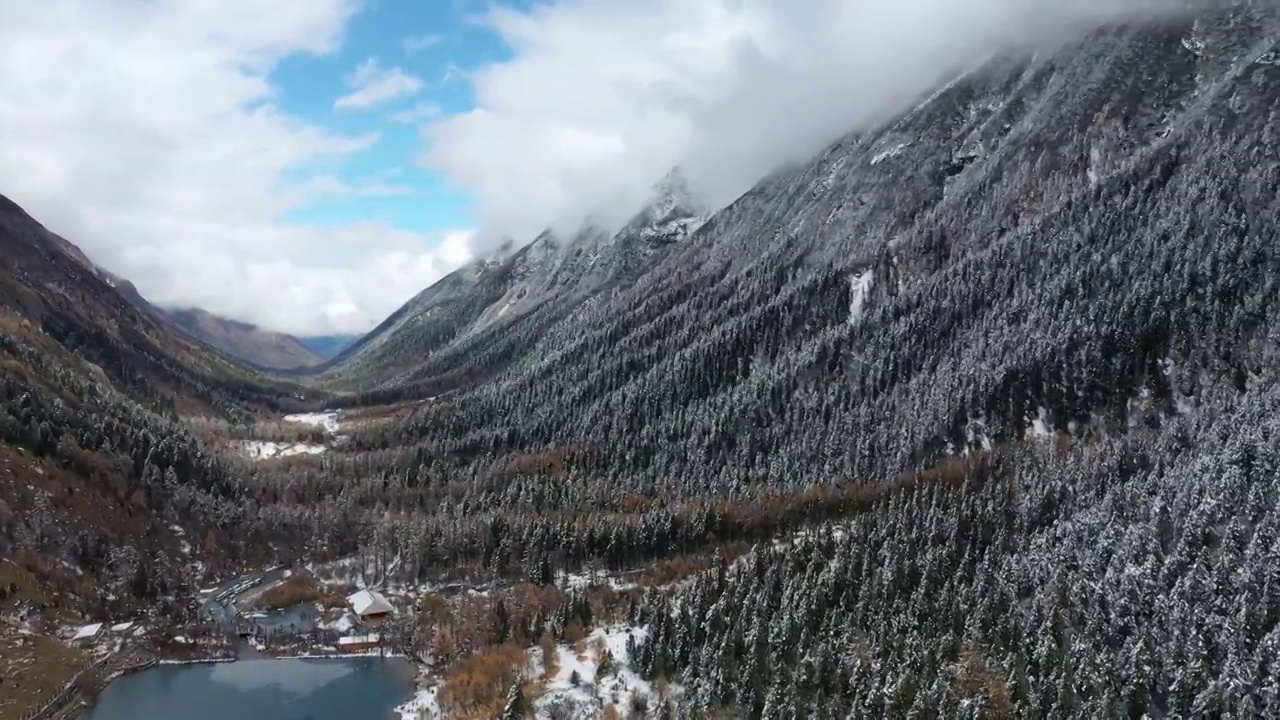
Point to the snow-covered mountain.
(956, 268)
(522, 287)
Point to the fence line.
(75, 687)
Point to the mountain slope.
(1021, 341)
(992, 236)
(500, 304)
(262, 348)
(987, 396)
(102, 479)
(71, 306)
(1080, 243)
(327, 346)
(247, 342)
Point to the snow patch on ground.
(422, 706)
(976, 434)
(892, 152)
(582, 580)
(266, 450)
(326, 420)
(674, 227)
(342, 624)
(618, 686)
(1039, 427)
(859, 289)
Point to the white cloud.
(344, 279)
(600, 98)
(330, 185)
(148, 134)
(373, 85)
(419, 113)
(418, 43)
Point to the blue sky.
(434, 41)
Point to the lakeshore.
(318, 688)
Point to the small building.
(370, 606)
(358, 643)
(121, 628)
(87, 634)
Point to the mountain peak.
(672, 215)
(674, 186)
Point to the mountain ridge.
(264, 349)
(248, 342)
(508, 284)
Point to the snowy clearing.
(579, 581)
(582, 686)
(326, 420)
(1039, 427)
(266, 450)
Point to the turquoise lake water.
(292, 689)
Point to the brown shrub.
(975, 677)
(634, 504)
(550, 656)
(331, 600)
(478, 685)
(574, 633)
(294, 591)
(554, 462)
(665, 572)
(604, 658)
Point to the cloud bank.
(601, 98)
(147, 132)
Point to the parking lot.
(221, 605)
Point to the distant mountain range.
(247, 342)
(55, 294)
(257, 346)
(328, 345)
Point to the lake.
(287, 689)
